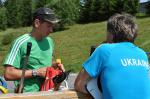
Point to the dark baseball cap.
(45, 14)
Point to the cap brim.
(53, 21)
(49, 18)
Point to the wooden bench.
(67, 94)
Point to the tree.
(131, 6)
(108, 8)
(95, 13)
(40, 3)
(102, 10)
(99, 10)
(26, 12)
(12, 7)
(66, 10)
(85, 11)
(148, 8)
(18, 12)
(1, 3)
(3, 19)
(119, 6)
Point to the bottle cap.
(58, 61)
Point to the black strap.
(99, 83)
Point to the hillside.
(73, 44)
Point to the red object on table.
(50, 74)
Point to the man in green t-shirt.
(40, 55)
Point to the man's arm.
(12, 73)
(81, 81)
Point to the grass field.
(73, 44)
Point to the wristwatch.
(34, 72)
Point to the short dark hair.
(122, 27)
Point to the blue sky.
(143, 0)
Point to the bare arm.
(81, 81)
(11, 73)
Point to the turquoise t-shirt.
(123, 70)
(40, 56)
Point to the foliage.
(39, 3)
(95, 13)
(85, 11)
(18, 12)
(119, 6)
(7, 39)
(26, 13)
(66, 10)
(148, 8)
(11, 12)
(108, 7)
(1, 3)
(131, 6)
(3, 19)
(99, 10)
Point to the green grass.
(73, 44)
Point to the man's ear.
(36, 23)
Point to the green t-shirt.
(40, 56)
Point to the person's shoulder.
(21, 39)
(106, 46)
(141, 50)
(49, 39)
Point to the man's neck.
(36, 35)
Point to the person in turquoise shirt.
(41, 52)
(122, 66)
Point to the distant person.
(122, 66)
(41, 52)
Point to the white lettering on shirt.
(134, 62)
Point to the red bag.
(50, 74)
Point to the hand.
(42, 71)
(58, 65)
(61, 66)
